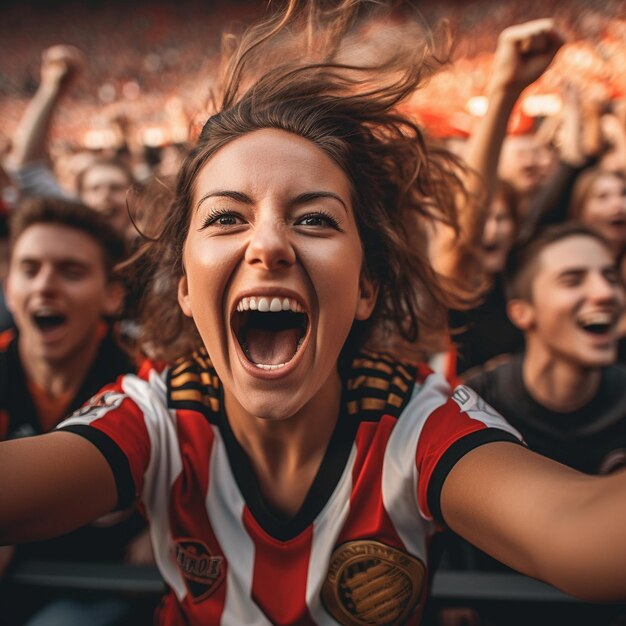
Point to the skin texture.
(605, 209)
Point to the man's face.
(577, 300)
(522, 164)
(498, 235)
(104, 188)
(57, 290)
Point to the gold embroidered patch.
(371, 584)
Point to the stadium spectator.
(599, 201)
(565, 393)
(64, 296)
(102, 184)
(523, 164)
(523, 54)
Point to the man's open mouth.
(598, 323)
(270, 330)
(47, 321)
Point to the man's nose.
(46, 279)
(602, 289)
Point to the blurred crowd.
(101, 101)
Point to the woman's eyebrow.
(303, 198)
(311, 196)
(224, 193)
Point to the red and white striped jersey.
(357, 551)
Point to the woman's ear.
(183, 296)
(368, 294)
(521, 313)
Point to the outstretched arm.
(542, 518)
(51, 484)
(522, 55)
(59, 67)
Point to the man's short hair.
(71, 214)
(523, 260)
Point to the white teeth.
(269, 305)
(270, 368)
(599, 317)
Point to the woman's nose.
(270, 245)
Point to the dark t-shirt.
(484, 332)
(591, 439)
(103, 541)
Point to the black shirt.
(484, 332)
(591, 439)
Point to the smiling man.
(565, 394)
(63, 292)
(60, 290)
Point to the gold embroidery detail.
(371, 584)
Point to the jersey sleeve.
(115, 423)
(452, 426)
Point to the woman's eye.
(221, 219)
(318, 220)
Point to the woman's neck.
(286, 454)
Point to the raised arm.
(522, 55)
(59, 67)
(51, 484)
(580, 144)
(542, 518)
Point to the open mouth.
(47, 322)
(270, 330)
(600, 323)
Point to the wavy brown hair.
(335, 75)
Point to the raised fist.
(524, 52)
(60, 65)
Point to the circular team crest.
(371, 584)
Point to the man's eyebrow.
(29, 260)
(225, 193)
(311, 196)
(573, 271)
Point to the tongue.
(271, 347)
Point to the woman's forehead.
(272, 160)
